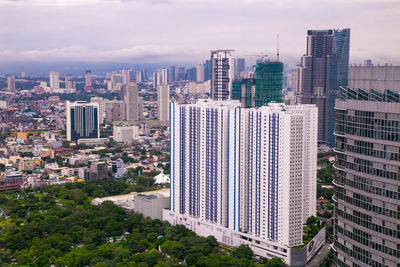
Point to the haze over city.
(177, 31)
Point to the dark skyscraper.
(191, 74)
(325, 68)
(207, 70)
(367, 175)
(181, 74)
(240, 66)
(171, 74)
(245, 91)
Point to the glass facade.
(367, 180)
(269, 78)
(84, 122)
(244, 91)
(237, 90)
(207, 70)
(339, 75)
(325, 67)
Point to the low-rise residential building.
(13, 177)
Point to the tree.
(66, 144)
(42, 261)
(328, 260)
(275, 262)
(111, 143)
(311, 220)
(94, 236)
(174, 248)
(78, 196)
(243, 251)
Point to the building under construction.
(265, 88)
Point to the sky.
(152, 31)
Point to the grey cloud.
(186, 30)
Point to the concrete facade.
(375, 77)
(151, 205)
(125, 133)
(297, 257)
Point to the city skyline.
(36, 32)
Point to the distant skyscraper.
(82, 120)
(131, 102)
(88, 78)
(140, 108)
(69, 83)
(116, 81)
(191, 74)
(11, 83)
(139, 77)
(115, 110)
(163, 76)
(172, 74)
(54, 80)
(222, 74)
(181, 73)
(156, 79)
(207, 70)
(240, 66)
(163, 102)
(101, 102)
(368, 63)
(295, 80)
(324, 68)
(200, 72)
(367, 175)
(244, 174)
(269, 77)
(126, 76)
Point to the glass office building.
(367, 178)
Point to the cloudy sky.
(151, 31)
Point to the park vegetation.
(57, 226)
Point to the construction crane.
(277, 48)
(262, 55)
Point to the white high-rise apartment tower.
(222, 74)
(163, 102)
(244, 173)
(54, 80)
(131, 102)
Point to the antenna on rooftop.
(277, 48)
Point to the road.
(320, 256)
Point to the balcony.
(337, 184)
